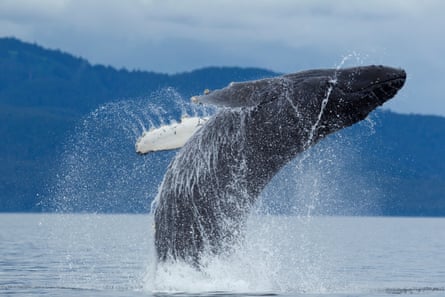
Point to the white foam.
(278, 255)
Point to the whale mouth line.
(396, 82)
(393, 82)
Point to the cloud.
(295, 24)
(285, 36)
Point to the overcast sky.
(281, 35)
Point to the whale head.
(310, 104)
(294, 111)
(342, 96)
(347, 96)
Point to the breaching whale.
(213, 181)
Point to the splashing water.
(280, 254)
(327, 154)
(324, 102)
(100, 173)
(262, 260)
(99, 170)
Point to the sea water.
(113, 255)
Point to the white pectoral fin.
(169, 137)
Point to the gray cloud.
(285, 36)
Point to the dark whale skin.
(215, 179)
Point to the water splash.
(331, 84)
(313, 175)
(354, 58)
(99, 172)
(275, 257)
(327, 154)
(98, 169)
(324, 102)
(98, 175)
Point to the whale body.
(214, 180)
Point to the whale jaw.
(358, 91)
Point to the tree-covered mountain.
(45, 94)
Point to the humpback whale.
(213, 181)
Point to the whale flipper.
(169, 137)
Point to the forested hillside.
(45, 93)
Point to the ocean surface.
(113, 255)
